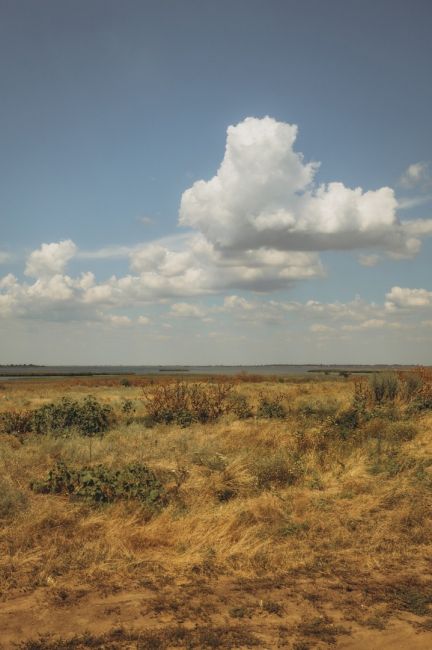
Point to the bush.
(317, 408)
(384, 387)
(239, 405)
(271, 408)
(400, 431)
(12, 500)
(16, 422)
(277, 470)
(183, 403)
(102, 484)
(89, 417)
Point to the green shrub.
(101, 484)
(88, 416)
(271, 408)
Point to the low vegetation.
(269, 505)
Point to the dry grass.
(283, 500)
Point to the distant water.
(279, 369)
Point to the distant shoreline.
(32, 371)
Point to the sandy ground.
(215, 613)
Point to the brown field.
(308, 530)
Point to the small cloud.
(416, 175)
(318, 328)
(186, 310)
(119, 321)
(143, 320)
(368, 260)
(146, 220)
(5, 257)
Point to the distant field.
(278, 511)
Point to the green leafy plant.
(88, 416)
(102, 484)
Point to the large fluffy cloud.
(264, 195)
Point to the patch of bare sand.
(222, 613)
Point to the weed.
(226, 494)
(238, 612)
(293, 528)
(318, 409)
(16, 422)
(12, 500)
(278, 470)
(224, 637)
(240, 406)
(271, 408)
(321, 628)
(384, 387)
(271, 607)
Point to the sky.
(230, 182)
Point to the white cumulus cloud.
(264, 195)
(403, 298)
(50, 259)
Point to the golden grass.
(350, 515)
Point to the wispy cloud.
(108, 252)
(404, 203)
(146, 220)
(5, 257)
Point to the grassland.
(283, 513)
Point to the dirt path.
(204, 613)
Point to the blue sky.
(114, 118)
